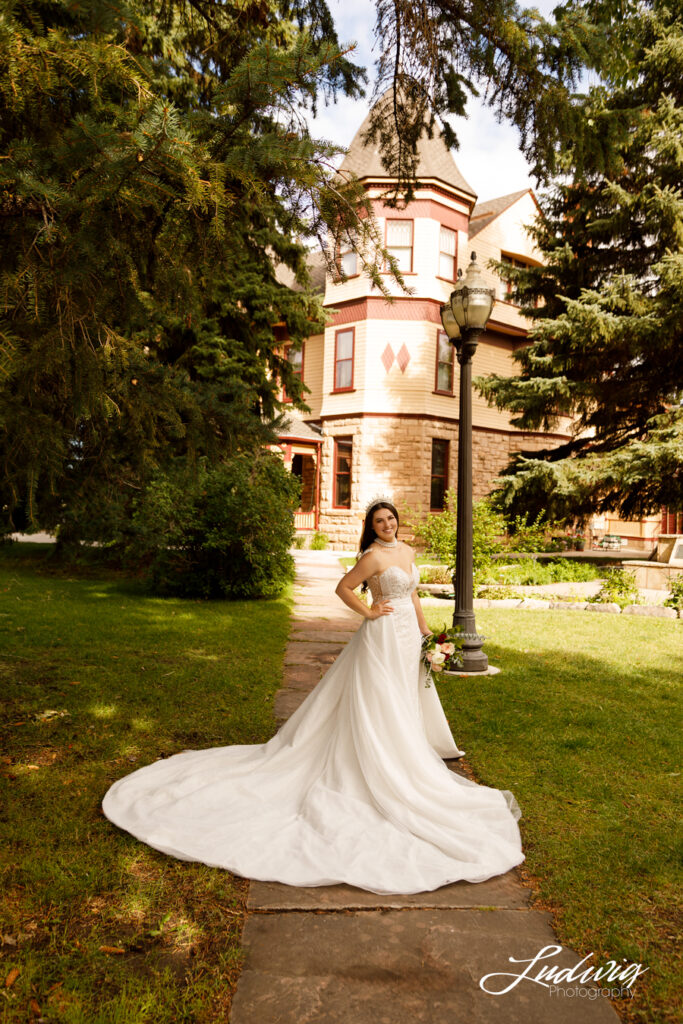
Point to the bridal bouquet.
(441, 652)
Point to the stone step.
(408, 966)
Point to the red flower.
(441, 638)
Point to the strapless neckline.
(404, 571)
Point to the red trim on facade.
(335, 389)
(345, 441)
(375, 308)
(429, 209)
(437, 389)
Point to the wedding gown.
(351, 789)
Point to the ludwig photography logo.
(616, 979)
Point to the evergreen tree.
(156, 171)
(435, 54)
(608, 302)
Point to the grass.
(583, 725)
(99, 678)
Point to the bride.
(353, 787)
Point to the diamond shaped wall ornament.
(403, 358)
(388, 358)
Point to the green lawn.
(583, 725)
(99, 678)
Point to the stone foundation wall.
(392, 456)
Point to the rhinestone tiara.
(378, 498)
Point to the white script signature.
(549, 975)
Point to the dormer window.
(348, 260)
(447, 243)
(400, 243)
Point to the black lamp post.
(464, 318)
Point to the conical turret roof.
(435, 161)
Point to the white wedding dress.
(351, 789)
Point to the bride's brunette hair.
(368, 535)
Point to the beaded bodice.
(394, 583)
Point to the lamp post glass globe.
(450, 324)
(471, 301)
(456, 302)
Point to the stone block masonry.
(393, 455)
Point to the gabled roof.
(317, 269)
(435, 161)
(484, 213)
(294, 429)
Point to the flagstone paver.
(340, 955)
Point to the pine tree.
(608, 303)
(436, 54)
(156, 171)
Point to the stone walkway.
(340, 955)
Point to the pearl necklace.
(386, 543)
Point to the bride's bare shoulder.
(367, 564)
(370, 558)
(407, 548)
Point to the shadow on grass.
(99, 679)
(581, 725)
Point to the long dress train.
(351, 789)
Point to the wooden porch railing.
(304, 520)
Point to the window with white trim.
(444, 364)
(343, 447)
(400, 243)
(343, 360)
(447, 247)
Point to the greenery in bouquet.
(441, 652)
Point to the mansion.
(382, 378)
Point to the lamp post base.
(473, 658)
(474, 661)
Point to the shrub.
(438, 533)
(221, 531)
(299, 542)
(526, 534)
(319, 541)
(675, 598)
(619, 588)
(530, 572)
(435, 574)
